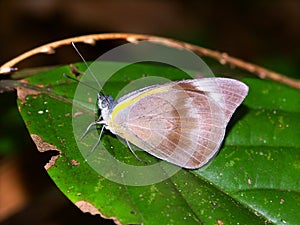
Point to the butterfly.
(181, 122)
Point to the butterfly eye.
(104, 103)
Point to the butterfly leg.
(97, 143)
(89, 127)
(133, 153)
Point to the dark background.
(263, 32)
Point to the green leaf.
(255, 178)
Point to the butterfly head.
(105, 104)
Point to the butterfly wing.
(182, 122)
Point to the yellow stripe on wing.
(136, 98)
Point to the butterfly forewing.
(183, 123)
(228, 93)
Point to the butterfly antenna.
(85, 84)
(88, 68)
